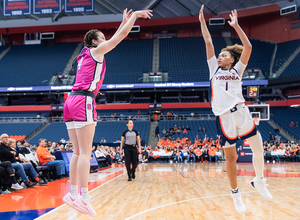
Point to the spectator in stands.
(185, 131)
(62, 140)
(287, 154)
(200, 129)
(187, 128)
(198, 154)
(277, 138)
(268, 154)
(47, 159)
(192, 114)
(52, 148)
(296, 124)
(164, 132)
(212, 153)
(204, 154)
(7, 174)
(276, 130)
(294, 153)
(292, 124)
(9, 154)
(48, 144)
(118, 141)
(203, 129)
(157, 131)
(139, 114)
(103, 140)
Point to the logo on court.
(89, 106)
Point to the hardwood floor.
(191, 191)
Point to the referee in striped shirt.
(130, 140)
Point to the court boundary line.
(55, 209)
(188, 200)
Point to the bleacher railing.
(22, 119)
(115, 118)
(188, 117)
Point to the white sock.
(84, 192)
(74, 190)
(256, 145)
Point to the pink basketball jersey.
(90, 72)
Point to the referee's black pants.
(130, 157)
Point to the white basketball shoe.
(238, 202)
(261, 187)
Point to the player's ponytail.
(235, 51)
(88, 41)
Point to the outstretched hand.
(127, 14)
(144, 14)
(201, 16)
(234, 18)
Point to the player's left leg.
(259, 182)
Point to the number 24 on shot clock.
(252, 92)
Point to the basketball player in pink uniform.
(80, 107)
(233, 117)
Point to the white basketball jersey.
(225, 86)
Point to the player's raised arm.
(245, 56)
(210, 51)
(110, 44)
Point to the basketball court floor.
(164, 191)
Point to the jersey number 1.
(226, 87)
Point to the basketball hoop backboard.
(260, 111)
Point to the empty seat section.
(34, 65)
(19, 129)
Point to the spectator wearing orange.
(294, 153)
(185, 131)
(292, 124)
(212, 153)
(47, 159)
(198, 154)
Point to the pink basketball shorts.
(80, 110)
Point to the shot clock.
(252, 92)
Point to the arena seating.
(265, 130)
(284, 51)
(261, 55)
(209, 125)
(184, 59)
(211, 129)
(292, 69)
(34, 65)
(127, 62)
(284, 117)
(111, 131)
(131, 112)
(19, 129)
(23, 114)
(2, 48)
(189, 111)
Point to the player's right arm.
(110, 44)
(210, 51)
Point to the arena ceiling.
(161, 8)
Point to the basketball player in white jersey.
(233, 117)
